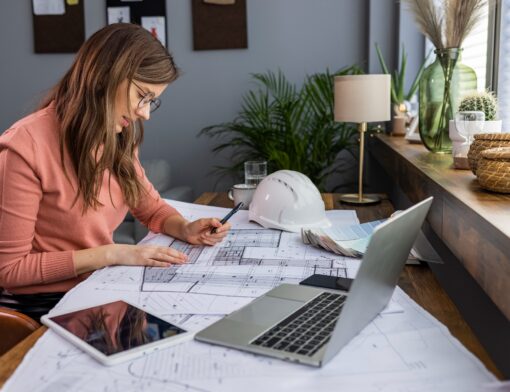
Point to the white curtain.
(504, 67)
(475, 49)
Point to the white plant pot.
(460, 149)
(489, 127)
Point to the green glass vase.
(442, 86)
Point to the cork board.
(60, 33)
(219, 26)
(151, 14)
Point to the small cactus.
(484, 102)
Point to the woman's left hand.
(199, 232)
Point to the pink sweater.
(39, 230)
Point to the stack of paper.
(350, 240)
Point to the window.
(475, 50)
(486, 51)
(503, 69)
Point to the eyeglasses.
(148, 99)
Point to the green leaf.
(398, 93)
(381, 59)
(416, 81)
(401, 81)
(292, 128)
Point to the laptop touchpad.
(266, 311)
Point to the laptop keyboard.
(307, 329)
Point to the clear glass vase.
(442, 86)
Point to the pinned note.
(118, 15)
(49, 7)
(156, 26)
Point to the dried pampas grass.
(449, 23)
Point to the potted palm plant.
(289, 127)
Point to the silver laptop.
(311, 325)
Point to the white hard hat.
(288, 200)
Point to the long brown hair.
(85, 98)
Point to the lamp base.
(353, 198)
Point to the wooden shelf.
(468, 226)
(472, 222)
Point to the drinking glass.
(254, 172)
(469, 123)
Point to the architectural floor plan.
(233, 268)
(404, 349)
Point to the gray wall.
(391, 25)
(297, 36)
(383, 30)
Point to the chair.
(158, 171)
(14, 327)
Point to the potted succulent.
(477, 102)
(401, 99)
(485, 102)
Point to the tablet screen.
(116, 327)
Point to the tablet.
(115, 332)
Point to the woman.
(70, 171)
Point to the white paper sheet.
(118, 15)
(403, 349)
(156, 26)
(48, 7)
(409, 351)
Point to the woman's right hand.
(87, 260)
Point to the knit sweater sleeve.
(20, 196)
(151, 210)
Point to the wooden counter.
(470, 226)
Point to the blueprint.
(404, 349)
(407, 351)
(245, 281)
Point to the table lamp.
(362, 99)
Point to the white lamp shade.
(362, 98)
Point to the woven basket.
(484, 141)
(493, 169)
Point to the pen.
(227, 217)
